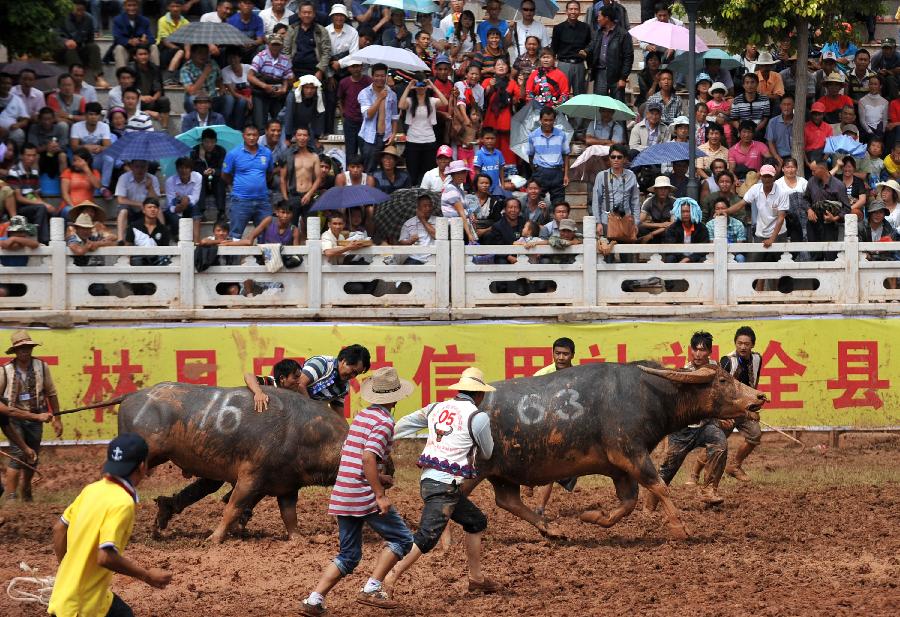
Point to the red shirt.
(894, 111)
(815, 136)
(502, 120)
(836, 103)
(347, 96)
(550, 88)
(446, 87)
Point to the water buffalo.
(214, 434)
(600, 419)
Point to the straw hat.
(661, 182)
(472, 380)
(765, 59)
(834, 78)
(86, 207)
(385, 386)
(84, 220)
(391, 150)
(20, 338)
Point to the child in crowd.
(466, 138)
(489, 160)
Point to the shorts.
(31, 433)
(750, 429)
(445, 503)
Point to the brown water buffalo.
(600, 419)
(214, 434)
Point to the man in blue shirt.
(131, 30)
(489, 160)
(378, 105)
(248, 169)
(547, 149)
(251, 25)
(779, 129)
(492, 21)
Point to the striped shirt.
(324, 380)
(372, 431)
(670, 110)
(756, 110)
(274, 68)
(547, 151)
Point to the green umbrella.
(589, 105)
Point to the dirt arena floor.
(817, 533)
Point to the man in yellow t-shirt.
(90, 537)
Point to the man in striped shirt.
(358, 497)
(547, 149)
(326, 378)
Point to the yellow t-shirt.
(165, 27)
(890, 165)
(546, 370)
(102, 516)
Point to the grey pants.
(575, 73)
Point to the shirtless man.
(301, 173)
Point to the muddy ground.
(817, 533)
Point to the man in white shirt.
(14, 117)
(433, 179)
(769, 205)
(276, 14)
(133, 187)
(31, 96)
(331, 249)
(528, 26)
(419, 231)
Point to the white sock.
(315, 599)
(372, 585)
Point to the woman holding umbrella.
(501, 95)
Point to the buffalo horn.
(703, 375)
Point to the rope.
(44, 583)
(24, 464)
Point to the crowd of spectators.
(448, 131)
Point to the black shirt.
(569, 39)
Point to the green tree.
(30, 26)
(765, 21)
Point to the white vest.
(754, 374)
(450, 447)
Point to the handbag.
(618, 227)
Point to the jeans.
(118, 608)
(264, 109)
(352, 142)
(371, 152)
(391, 527)
(444, 503)
(682, 442)
(234, 108)
(245, 210)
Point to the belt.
(572, 60)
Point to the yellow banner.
(816, 371)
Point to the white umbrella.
(665, 34)
(393, 57)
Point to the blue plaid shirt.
(547, 151)
(369, 128)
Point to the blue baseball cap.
(442, 59)
(124, 454)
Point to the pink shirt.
(752, 158)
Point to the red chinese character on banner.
(100, 388)
(775, 372)
(379, 361)
(858, 371)
(197, 366)
(438, 370)
(261, 365)
(51, 360)
(595, 357)
(526, 361)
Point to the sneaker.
(485, 586)
(312, 609)
(378, 598)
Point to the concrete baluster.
(589, 226)
(186, 264)
(314, 281)
(59, 262)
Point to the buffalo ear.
(703, 375)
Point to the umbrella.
(542, 8)
(589, 105)
(680, 63)
(411, 6)
(41, 69)
(399, 208)
(209, 33)
(342, 197)
(665, 34)
(226, 137)
(146, 146)
(844, 145)
(665, 152)
(526, 120)
(393, 57)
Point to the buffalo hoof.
(595, 517)
(679, 532)
(551, 531)
(165, 509)
(216, 537)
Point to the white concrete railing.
(451, 284)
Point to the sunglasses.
(527, 10)
(616, 157)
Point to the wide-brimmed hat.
(891, 184)
(455, 167)
(391, 150)
(19, 224)
(20, 338)
(876, 206)
(718, 86)
(661, 182)
(833, 78)
(86, 207)
(385, 386)
(681, 121)
(84, 220)
(472, 380)
(765, 59)
(339, 8)
(703, 77)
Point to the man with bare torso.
(300, 175)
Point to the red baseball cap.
(818, 108)
(445, 151)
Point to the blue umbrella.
(146, 146)
(226, 137)
(665, 152)
(844, 145)
(342, 197)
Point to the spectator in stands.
(248, 169)
(779, 131)
(200, 74)
(701, 89)
(843, 49)
(490, 161)
(149, 80)
(887, 64)
(170, 54)
(331, 238)
(789, 78)
(727, 188)
(889, 194)
(858, 76)
(661, 13)
(305, 108)
(547, 149)
(396, 34)
(133, 187)
(506, 231)
(420, 100)
(688, 228)
(834, 101)
(463, 43)
(735, 231)
(309, 43)
(770, 203)
(892, 162)
(425, 23)
(443, 82)
(14, 116)
(526, 28)
(276, 14)
(275, 229)
(713, 68)
(610, 55)
(148, 230)
(871, 166)
(828, 203)
(252, 26)
(857, 191)
(873, 111)
(378, 105)
(790, 182)
(665, 97)
(492, 21)
(718, 101)
(709, 184)
(354, 175)
(76, 70)
(20, 235)
(300, 174)
(815, 132)
(747, 154)
(490, 54)
(433, 180)
(751, 106)
(69, 107)
(207, 158)
(79, 182)
(91, 134)
(126, 77)
(224, 9)
(344, 42)
(24, 179)
(649, 131)
(453, 197)
(389, 178)
(615, 190)
(131, 30)
(482, 205)
(770, 83)
(137, 119)
(270, 77)
(648, 78)
(419, 231)
(183, 197)
(348, 97)
(77, 42)
(570, 43)
(51, 138)
(656, 211)
(238, 97)
(31, 96)
(876, 228)
(603, 131)
(83, 240)
(710, 151)
(547, 85)
(534, 208)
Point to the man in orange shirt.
(815, 132)
(770, 82)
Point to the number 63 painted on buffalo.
(564, 405)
